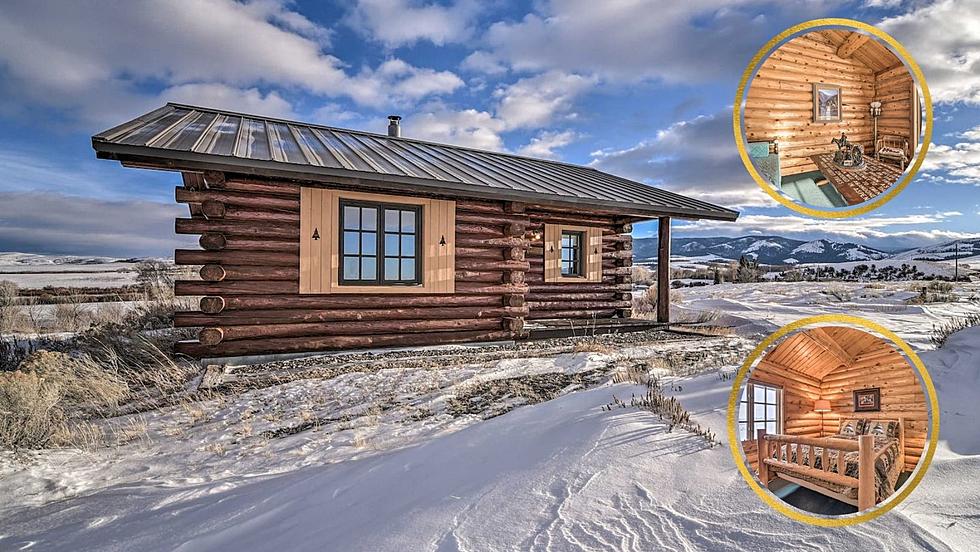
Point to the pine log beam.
(238, 228)
(483, 264)
(231, 319)
(218, 273)
(575, 313)
(304, 344)
(232, 199)
(663, 270)
(250, 258)
(852, 44)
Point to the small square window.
(389, 255)
(571, 253)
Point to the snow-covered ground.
(35, 271)
(762, 308)
(389, 462)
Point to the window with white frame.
(760, 407)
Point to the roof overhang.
(165, 159)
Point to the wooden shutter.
(593, 258)
(439, 246)
(316, 231)
(552, 253)
(319, 245)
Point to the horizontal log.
(211, 273)
(575, 305)
(186, 288)
(479, 229)
(466, 288)
(238, 228)
(251, 215)
(479, 207)
(229, 319)
(479, 276)
(263, 187)
(233, 199)
(310, 344)
(580, 288)
(479, 253)
(468, 240)
(491, 265)
(247, 244)
(371, 327)
(234, 303)
(561, 296)
(548, 314)
(514, 301)
(485, 218)
(227, 257)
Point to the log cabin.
(808, 405)
(817, 87)
(315, 238)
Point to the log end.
(513, 324)
(212, 273)
(513, 300)
(210, 336)
(212, 304)
(214, 179)
(213, 241)
(213, 209)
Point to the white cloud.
(959, 162)
(57, 223)
(403, 22)
(470, 128)
(250, 100)
(687, 41)
(98, 61)
(546, 142)
(535, 101)
(943, 39)
(695, 158)
(483, 62)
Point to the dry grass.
(935, 292)
(646, 303)
(591, 345)
(668, 409)
(941, 332)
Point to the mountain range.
(780, 250)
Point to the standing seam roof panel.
(209, 136)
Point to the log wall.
(250, 279)
(901, 395)
(893, 88)
(779, 103)
(606, 299)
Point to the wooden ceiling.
(864, 48)
(816, 352)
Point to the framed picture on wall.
(826, 103)
(867, 400)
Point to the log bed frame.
(864, 446)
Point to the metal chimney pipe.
(394, 127)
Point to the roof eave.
(187, 160)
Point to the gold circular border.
(783, 507)
(862, 208)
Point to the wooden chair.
(893, 148)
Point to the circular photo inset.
(832, 119)
(832, 421)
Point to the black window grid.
(379, 209)
(571, 264)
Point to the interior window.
(759, 408)
(571, 253)
(380, 243)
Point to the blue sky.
(639, 89)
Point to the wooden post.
(763, 453)
(663, 270)
(866, 472)
(824, 462)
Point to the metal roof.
(189, 137)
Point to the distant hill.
(942, 252)
(765, 249)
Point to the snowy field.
(31, 271)
(412, 455)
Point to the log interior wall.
(894, 89)
(249, 283)
(606, 299)
(799, 393)
(779, 103)
(901, 396)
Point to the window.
(571, 253)
(380, 243)
(760, 407)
